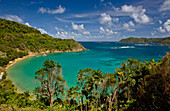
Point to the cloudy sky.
(92, 20)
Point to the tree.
(52, 82)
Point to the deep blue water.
(106, 56)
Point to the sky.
(92, 20)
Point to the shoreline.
(11, 63)
(33, 54)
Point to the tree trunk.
(81, 103)
(110, 105)
(81, 106)
(51, 100)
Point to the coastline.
(44, 52)
(34, 54)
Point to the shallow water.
(106, 56)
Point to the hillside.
(160, 41)
(18, 40)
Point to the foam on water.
(123, 47)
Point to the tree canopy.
(18, 40)
(159, 41)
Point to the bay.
(106, 56)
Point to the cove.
(106, 56)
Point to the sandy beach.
(33, 54)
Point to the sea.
(105, 56)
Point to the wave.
(143, 45)
(123, 47)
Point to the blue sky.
(92, 20)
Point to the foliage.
(160, 41)
(7, 26)
(8, 94)
(136, 85)
(18, 40)
(144, 86)
(52, 82)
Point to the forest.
(135, 86)
(18, 40)
(158, 41)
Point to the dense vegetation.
(160, 41)
(139, 86)
(18, 40)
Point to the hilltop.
(160, 41)
(18, 40)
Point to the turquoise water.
(106, 56)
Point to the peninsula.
(18, 40)
(159, 41)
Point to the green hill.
(18, 40)
(160, 41)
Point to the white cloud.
(160, 29)
(137, 13)
(128, 26)
(160, 22)
(14, 18)
(101, 0)
(42, 31)
(64, 34)
(102, 29)
(152, 33)
(165, 6)
(80, 28)
(107, 31)
(115, 19)
(77, 27)
(131, 30)
(131, 23)
(28, 24)
(58, 10)
(65, 20)
(167, 25)
(59, 29)
(105, 19)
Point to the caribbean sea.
(106, 56)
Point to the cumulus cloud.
(105, 19)
(64, 34)
(58, 10)
(107, 31)
(128, 26)
(160, 22)
(28, 24)
(137, 13)
(131, 30)
(131, 23)
(42, 31)
(167, 25)
(152, 33)
(14, 18)
(59, 29)
(165, 6)
(115, 19)
(160, 29)
(80, 28)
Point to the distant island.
(18, 40)
(159, 41)
(135, 86)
